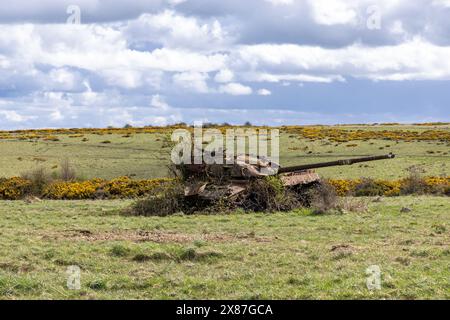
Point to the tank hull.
(230, 189)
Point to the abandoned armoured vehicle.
(229, 181)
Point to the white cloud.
(108, 72)
(4, 62)
(56, 115)
(267, 77)
(124, 78)
(414, 60)
(63, 77)
(441, 3)
(225, 75)
(331, 12)
(235, 89)
(176, 2)
(13, 116)
(193, 81)
(177, 31)
(264, 92)
(280, 2)
(159, 102)
(96, 48)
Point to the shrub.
(124, 187)
(343, 187)
(163, 200)
(323, 198)
(120, 188)
(39, 179)
(269, 195)
(369, 188)
(59, 190)
(437, 185)
(14, 188)
(67, 173)
(414, 183)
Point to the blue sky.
(156, 62)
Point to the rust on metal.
(297, 178)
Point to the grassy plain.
(146, 155)
(293, 255)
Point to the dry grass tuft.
(67, 172)
(163, 200)
(353, 205)
(39, 178)
(323, 198)
(414, 183)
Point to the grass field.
(296, 255)
(293, 255)
(147, 155)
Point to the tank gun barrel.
(345, 162)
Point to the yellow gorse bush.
(123, 188)
(343, 186)
(14, 188)
(72, 190)
(390, 188)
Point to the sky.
(98, 63)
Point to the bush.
(414, 183)
(62, 190)
(269, 195)
(323, 198)
(343, 187)
(120, 188)
(437, 185)
(14, 188)
(67, 173)
(124, 187)
(39, 179)
(369, 188)
(164, 200)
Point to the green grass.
(237, 256)
(146, 155)
(141, 155)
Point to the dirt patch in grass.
(152, 236)
(341, 251)
(13, 267)
(342, 247)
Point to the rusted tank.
(218, 181)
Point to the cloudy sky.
(94, 63)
